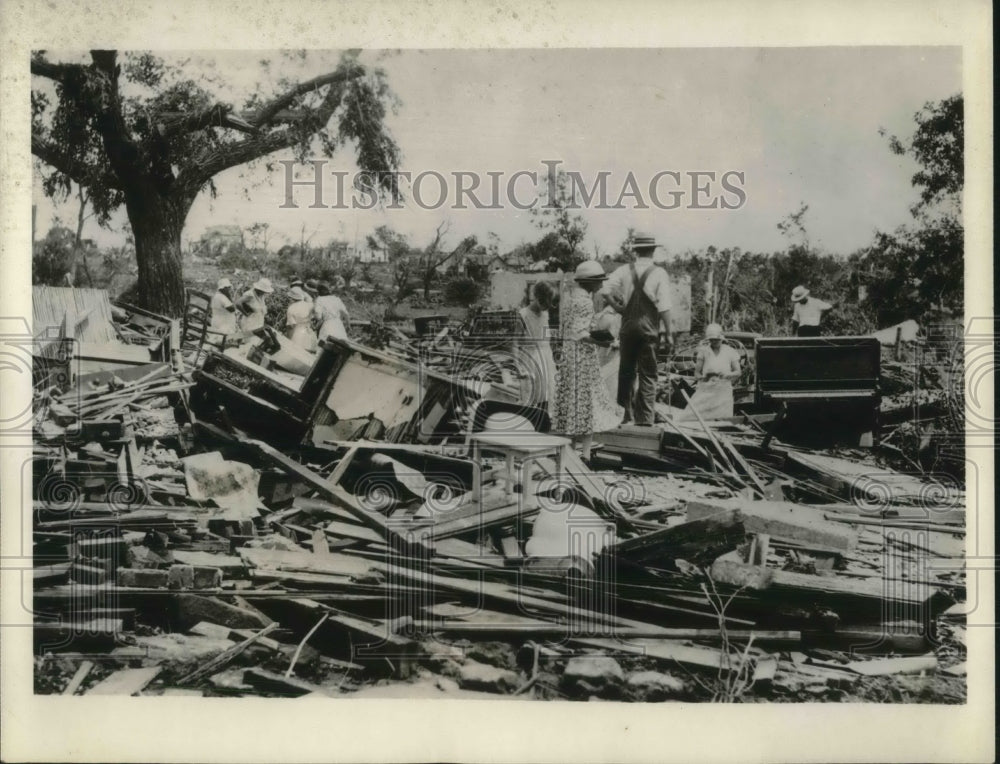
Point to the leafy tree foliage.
(139, 133)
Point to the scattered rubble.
(217, 530)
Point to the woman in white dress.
(717, 366)
(299, 319)
(253, 306)
(538, 367)
(331, 314)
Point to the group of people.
(635, 299)
(314, 314)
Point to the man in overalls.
(640, 291)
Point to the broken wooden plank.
(890, 666)
(268, 681)
(334, 493)
(698, 541)
(126, 681)
(81, 674)
(782, 520)
(223, 659)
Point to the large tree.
(137, 132)
(918, 271)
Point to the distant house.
(341, 251)
(373, 255)
(517, 260)
(219, 240)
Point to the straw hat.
(298, 293)
(799, 292)
(643, 240)
(263, 285)
(590, 270)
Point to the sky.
(800, 124)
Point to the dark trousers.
(638, 362)
(808, 331)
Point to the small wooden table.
(520, 449)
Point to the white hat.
(713, 332)
(298, 293)
(799, 292)
(224, 282)
(263, 285)
(590, 270)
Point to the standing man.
(641, 293)
(223, 320)
(807, 313)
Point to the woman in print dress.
(583, 405)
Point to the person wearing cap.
(223, 317)
(640, 291)
(807, 312)
(331, 314)
(311, 288)
(253, 306)
(716, 367)
(582, 403)
(299, 318)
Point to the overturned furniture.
(350, 392)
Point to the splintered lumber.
(782, 520)
(224, 658)
(76, 634)
(368, 642)
(697, 541)
(126, 681)
(573, 465)
(268, 681)
(853, 600)
(78, 677)
(889, 666)
(473, 518)
(550, 630)
(329, 491)
(688, 655)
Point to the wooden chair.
(195, 334)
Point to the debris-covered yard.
(208, 522)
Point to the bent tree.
(141, 133)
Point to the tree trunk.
(156, 225)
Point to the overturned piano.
(824, 389)
(350, 392)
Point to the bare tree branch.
(219, 115)
(270, 110)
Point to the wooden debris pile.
(341, 552)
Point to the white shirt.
(657, 286)
(223, 315)
(332, 312)
(810, 312)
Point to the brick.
(180, 577)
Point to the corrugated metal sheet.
(82, 314)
